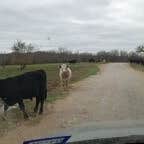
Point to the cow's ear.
(68, 66)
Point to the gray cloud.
(84, 25)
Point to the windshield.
(71, 68)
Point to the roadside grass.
(15, 117)
(137, 67)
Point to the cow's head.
(63, 67)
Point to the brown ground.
(116, 93)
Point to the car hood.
(105, 130)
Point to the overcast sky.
(80, 25)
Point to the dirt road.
(116, 93)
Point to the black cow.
(26, 86)
(73, 61)
(91, 60)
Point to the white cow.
(65, 75)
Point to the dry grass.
(137, 67)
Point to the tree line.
(23, 54)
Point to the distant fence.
(58, 57)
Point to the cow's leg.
(37, 104)
(67, 83)
(5, 109)
(22, 108)
(41, 106)
(62, 83)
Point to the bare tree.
(22, 52)
(30, 48)
(140, 49)
(19, 47)
(22, 47)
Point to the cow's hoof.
(35, 111)
(40, 112)
(26, 117)
(4, 118)
(33, 114)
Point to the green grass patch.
(14, 116)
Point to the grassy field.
(15, 117)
